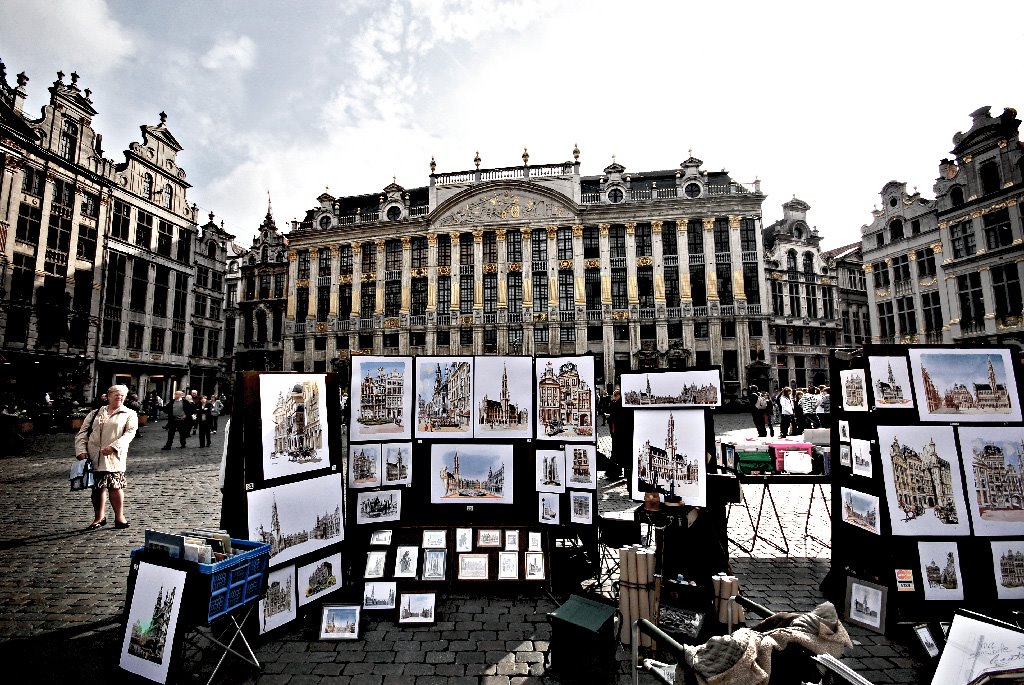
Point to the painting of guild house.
(1011, 568)
(861, 510)
(149, 636)
(365, 465)
(502, 413)
(279, 598)
(381, 398)
(997, 480)
(565, 402)
(446, 402)
(665, 469)
(853, 390)
(943, 577)
(582, 471)
(321, 579)
(958, 397)
(298, 426)
(923, 480)
(396, 465)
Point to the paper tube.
(738, 613)
(627, 622)
(644, 598)
(634, 591)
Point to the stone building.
(852, 294)
(948, 270)
(262, 301)
(643, 270)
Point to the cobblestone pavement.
(62, 589)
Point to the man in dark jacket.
(181, 414)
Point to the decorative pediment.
(504, 205)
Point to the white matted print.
(550, 470)
(581, 507)
(940, 570)
(379, 594)
(581, 466)
(865, 604)
(297, 518)
(152, 621)
(463, 539)
(861, 455)
(416, 607)
(380, 537)
(548, 508)
(503, 399)
(921, 471)
(844, 430)
(319, 578)
(672, 389)
(376, 506)
(396, 463)
(1008, 563)
(845, 456)
(469, 473)
(434, 564)
(381, 397)
(853, 389)
(890, 382)
(534, 542)
(511, 540)
(535, 566)
(508, 565)
(964, 385)
(375, 563)
(407, 558)
(444, 397)
(861, 510)
(473, 566)
(364, 465)
(565, 398)
(435, 539)
(293, 413)
(279, 606)
(992, 461)
(669, 450)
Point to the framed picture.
(581, 466)
(279, 605)
(152, 621)
(844, 430)
(505, 410)
(1008, 562)
(486, 537)
(224, 455)
(473, 566)
(396, 463)
(669, 448)
(964, 385)
(861, 510)
(548, 509)
(581, 507)
(924, 636)
(444, 397)
(853, 389)
(861, 455)
(463, 539)
(865, 604)
(293, 413)
(379, 594)
(364, 466)
(921, 472)
(940, 570)
(380, 537)
(416, 607)
(511, 540)
(550, 470)
(319, 578)
(375, 564)
(508, 565)
(434, 564)
(297, 518)
(992, 462)
(672, 389)
(468, 473)
(435, 539)
(564, 389)
(407, 559)
(890, 382)
(846, 456)
(376, 506)
(534, 542)
(381, 397)
(339, 622)
(535, 566)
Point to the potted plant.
(76, 420)
(143, 418)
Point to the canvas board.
(566, 407)
(548, 508)
(853, 389)
(550, 470)
(860, 451)
(684, 389)
(669, 448)
(364, 465)
(508, 565)
(923, 488)
(1008, 564)
(581, 466)
(469, 473)
(503, 397)
(381, 398)
(293, 420)
(416, 607)
(890, 382)
(149, 634)
(407, 559)
(375, 564)
(861, 510)
(535, 566)
(279, 606)
(297, 518)
(339, 622)
(964, 385)
(581, 507)
(974, 648)
(941, 578)
(377, 506)
(992, 462)
(319, 578)
(434, 564)
(444, 397)
(379, 594)
(463, 539)
(865, 604)
(396, 463)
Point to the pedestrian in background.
(809, 408)
(824, 407)
(216, 407)
(194, 397)
(204, 420)
(759, 406)
(620, 424)
(180, 415)
(104, 439)
(786, 412)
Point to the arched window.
(791, 260)
(956, 195)
(808, 263)
(168, 196)
(895, 230)
(147, 186)
(989, 173)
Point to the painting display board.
(933, 487)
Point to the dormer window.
(68, 145)
(615, 195)
(808, 263)
(956, 196)
(895, 230)
(147, 186)
(791, 260)
(168, 196)
(989, 174)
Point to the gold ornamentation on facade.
(418, 272)
(602, 230)
(526, 233)
(432, 240)
(620, 315)
(971, 198)
(577, 230)
(478, 235)
(500, 234)
(776, 276)
(908, 340)
(882, 293)
(990, 315)
(368, 278)
(515, 267)
(734, 222)
(592, 264)
(466, 320)
(825, 280)
(709, 223)
(1009, 322)
(490, 268)
(345, 279)
(565, 265)
(1003, 143)
(357, 249)
(406, 242)
(292, 255)
(321, 327)
(454, 236)
(644, 261)
(334, 251)
(927, 282)
(630, 227)
(301, 282)
(552, 232)
(888, 261)
(379, 242)
(968, 159)
(540, 316)
(656, 227)
(444, 271)
(912, 256)
(392, 322)
(936, 247)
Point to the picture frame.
(865, 604)
(566, 407)
(417, 607)
(471, 473)
(381, 398)
(581, 507)
(407, 559)
(296, 509)
(507, 412)
(861, 464)
(941, 578)
(508, 565)
(548, 511)
(853, 389)
(535, 566)
(319, 578)
(1006, 562)
(844, 430)
(293, 413)
(927, 641)
(860, 509)
(686, 472)
(992, 458)
(511, 540)
(681, 389)
(444, 397)
(463, 539)
(435, 539)
(339, 622)
(378, 506)
(146, 651)
(364, 465)
(890, 382)
(381, 537)
(434, 562)
(535, 542)
(279, 605)
(965, 385)
(550, 470)
(473, 566)
(396, 463)
(487, 537)
(375, 564)
(846, 456)
(379, 594)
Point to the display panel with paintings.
(565, 399)
(581, 466)
(961, 385)
(1008, 563)
(921, 470)
(416, 607)
(379, 594)
(377, 506)
(503, 409)
(672, 389)
(890, 382)
(444, 397)
(297, 518)
(396, 463)
(550, 470)
(339, 622)
(861, 510)
(865, 604)
(321, 577)
(995, 489)
(470, 473)
(279, 605)
(293, 413)
(940, 570)
(152, 621)
(364, 465)
(669, 447)
(853, 389)
(381, 396)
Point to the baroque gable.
(498, 205)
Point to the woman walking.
(786, 414)
(104, 439)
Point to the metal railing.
(696, 259)
(749, 255)
(670, 260)
(617, 262)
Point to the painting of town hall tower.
(672, 389)
(381, 398)
(294, 422)
(565, 399)
(668, 454)
(964, 385)
(444, 397)
(502, 397)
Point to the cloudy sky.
(824, 101)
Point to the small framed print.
(845, 456)
(511, 540)
(406, 561)
(375, 564)
(339, 622)
(535, 565)
(534, 542)
(548, 509)
(508, 565)
(435, 539)
(473, 566)
(488, 538)
(434, 564)
(463, 539)
(379, 595)
(844, 430)
(364, 466)
(380, 537)
(581, 507)
(865, 604)
(416, 607)
(927, 640)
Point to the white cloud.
(230, 53)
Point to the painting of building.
(471, 473)
(550, 468)
(994, 484)
(973, 385)
(318, 578)
(923, 481)
(149, 634)
(298, 517)
(152, 621)
(397, 463)
(581, 462)
(668, 460)
(672, 389)
(565, 399)
(940, 570)
(381, 398)
(383, 505)
(506, 412)
(1008, 561)
(364, 466)
(854, 388)
(293, 413)
(891, 382)
(861, 510)
(444, 401)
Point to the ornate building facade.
(852, 294)
(262, 300)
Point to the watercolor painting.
(861, 510)
(376, 506)
(565, 399)
(1008, 562)
(407, 559)
(379, 594)
(548, 511)
(339, 622)
(865, 604)
(550, 470)
(434, 564)
(297, 518)
(853, 389)
(152, 621)
(468, 473)
(293, 417)
(669, 447)
(364, 466)
(581, 466)
(890, 382)
(965, 385)
(672, 389)
(995, 490)
(940, 570)
(279, 606)
(444, 397)
(861, 454)
(416, 607)
(503, 400)
(381, 398)
(581, 507)
(396, 463)
(319, 578)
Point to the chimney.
(20, 93)
(947, 169)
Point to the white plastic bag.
(81, 477)
(796, 461)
